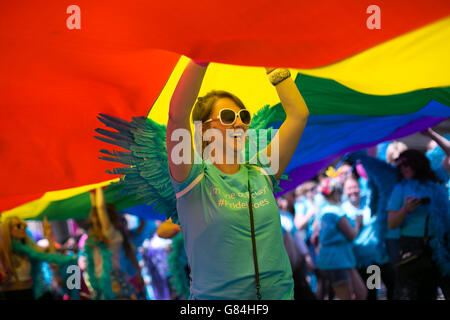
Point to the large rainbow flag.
(363, 86)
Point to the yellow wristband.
(278, 75)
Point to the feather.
(146, 174)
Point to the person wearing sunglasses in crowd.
(213, 202)
(419, 206)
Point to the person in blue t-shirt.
(136, 237)
(297, 252)
(366, 245)
(411, 208)
(306, 209)
(336, 259)
(307, 205)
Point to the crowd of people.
(102, 258)
(344, 224)
(333, 231)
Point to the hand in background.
(411, 203)
(427, 132)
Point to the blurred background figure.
(137, 235)
(297, 252)
(106, 239)
(392, 235)
(306, 209)
(336, 259)
(366, 246)
(419, 207)
(307, 204)
(22, 261)
(169, 265)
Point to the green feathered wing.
(146, 170)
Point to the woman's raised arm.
(181, 104)
(297, 114)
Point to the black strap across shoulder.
(252, 230)
(425, 235)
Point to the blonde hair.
(394, 149)
(6, 244)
